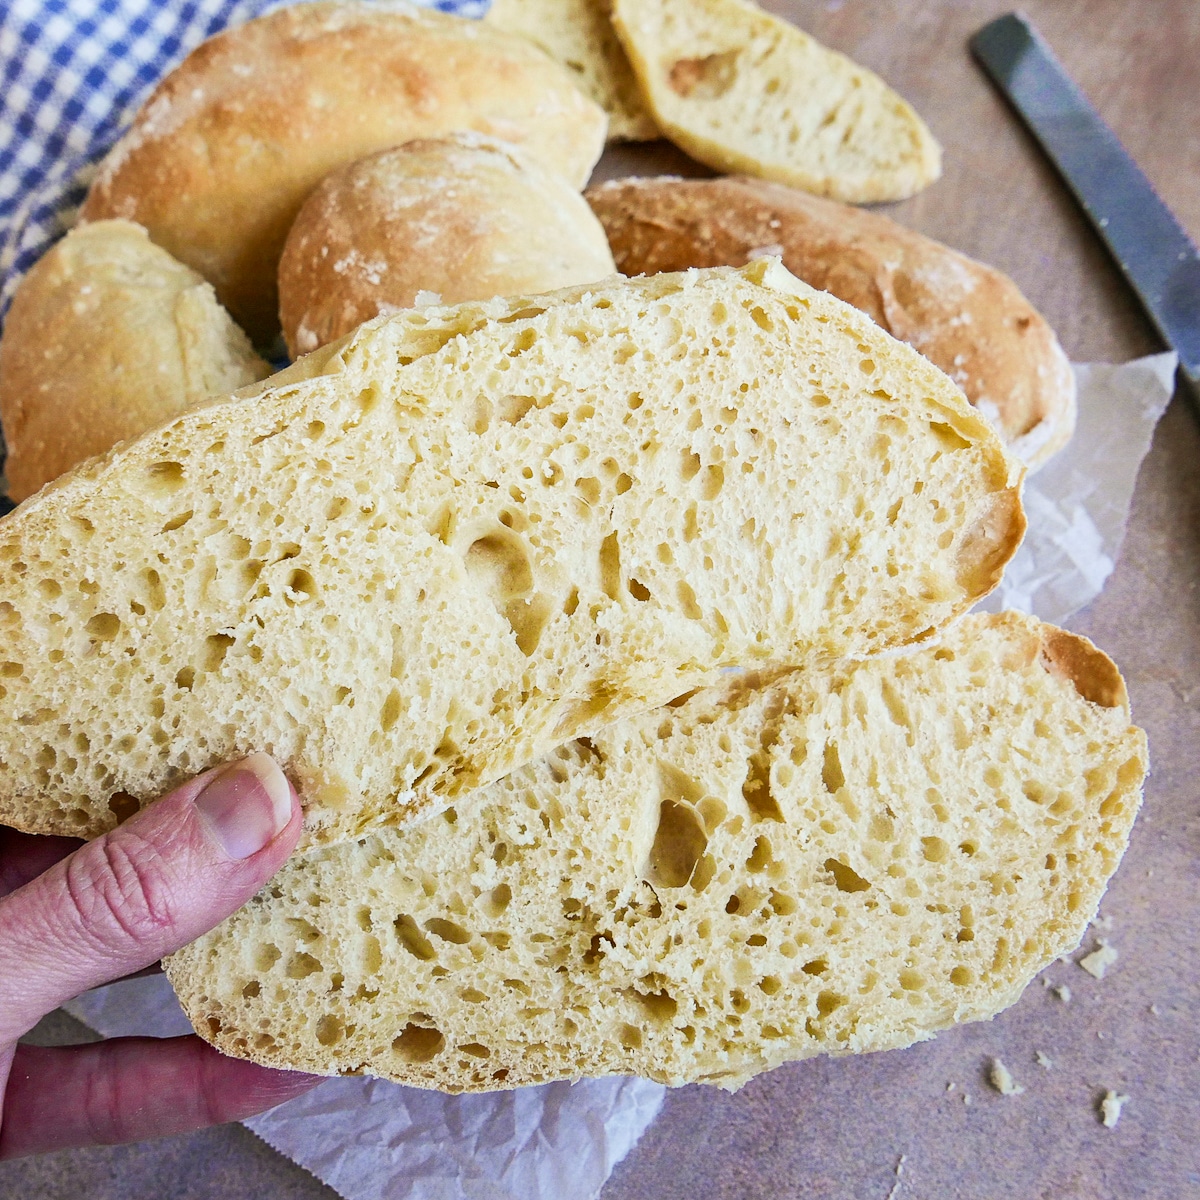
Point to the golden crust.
(966, 318)
(222, 155)
(1094, 675)
(107, 336)
(463, 217)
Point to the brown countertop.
(837, 1129)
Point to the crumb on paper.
(950, 1086)
(966, 1097)
(1063, 993)
(1100, 959)
(1043, 1060)
(1099, 922)
(895, 1192)
(1110, 1108)
(1154, 1010)
(1002, 1080)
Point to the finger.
(130, 1089)
(143, 890)
(24, 856)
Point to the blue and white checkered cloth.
(72, 75)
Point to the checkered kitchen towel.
(72, 75)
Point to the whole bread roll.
(741, 89)
(464, 217)
(107, 336)
(222, 155)
(425, 556)
(821, 863)
(967, 318)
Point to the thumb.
(143, 890)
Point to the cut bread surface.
(813, 863)
(579, 35)
(423, 557)
(965, 317)
(745, 91)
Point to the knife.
(1152, 249)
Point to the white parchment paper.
(372, 1140)
(1078, 503)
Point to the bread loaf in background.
(579, 34)
(967, 318)
(419, 559)
(220, 158)
(826, 863)
(462, 216)
(107, 336)
(743, 90)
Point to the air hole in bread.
(409, 934)
(499, 563)
(687, 601)
(510, 409)
(418, 1043)
(179, 521)
(216, 646)
(630, 1037)
(163, 478)
(122, 805)
(300, 587)
(589, 488)
(301, 965)
(679, 843)
(831, 771)
(935, 849)
(707, 77)
(103, 627)
(448, 931)
(329, 1030)
(845, 877)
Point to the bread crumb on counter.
(1110, 1108)
(1001, 1079)
(1043, 1060)
(1063, 993)
(1099, 960)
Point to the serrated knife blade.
(1159, 260)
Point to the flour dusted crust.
(463, 217)
(579, 34)
(222, 155)
(422, 557)
(967, 318)
(742, 90)
(806, 864)
(107, 336)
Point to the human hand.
(75, 916)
